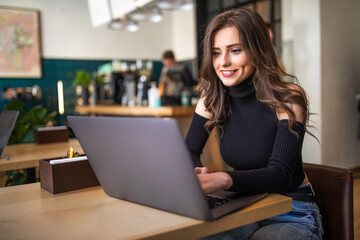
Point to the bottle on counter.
(142, 95)
(154, 96)
(130, 89)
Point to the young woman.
(261, 120)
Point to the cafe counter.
(165, 111)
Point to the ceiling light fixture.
(165, 5)
(156, 16)
(175, 5)
(116, 24)
(145, 10)
(187, 6)
(132, 26)
(138, 16)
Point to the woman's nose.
(225, 60)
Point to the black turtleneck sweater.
(264, 153)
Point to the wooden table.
(166, 111)
(29, 212)
(27, 155)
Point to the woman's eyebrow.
(233, 45)
(228, 46)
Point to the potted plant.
(83, 80)
(99, 82)
(23, 132)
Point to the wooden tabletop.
(166, 111)
(29, 212)
(27, 155)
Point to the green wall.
(53, 71)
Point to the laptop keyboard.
(214, 201)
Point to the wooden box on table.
(51, 134)
(63, 175)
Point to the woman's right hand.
(212, 182)
(202, 170)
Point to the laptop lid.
(7, 122)
(142, 160)
(145, 160)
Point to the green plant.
(26, 123)
(23, 132)
(82, 78)
(99, 79)
(16, 177)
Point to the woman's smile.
(228, 73)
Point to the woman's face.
(228, 57)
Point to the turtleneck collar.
(243, 89)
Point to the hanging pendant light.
(132, 26)
(156, 16)
(116, 24)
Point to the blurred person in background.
(169, 87)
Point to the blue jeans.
(303, 222)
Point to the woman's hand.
(212, 182)
(202, 170)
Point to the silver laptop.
(7, 122)
(145, 160)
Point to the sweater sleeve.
(284, 170)
(196, 138)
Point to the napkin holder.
(66, 174)
(51, 134)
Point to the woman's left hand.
(212, 182)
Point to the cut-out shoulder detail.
(297, 109)
(201, 110)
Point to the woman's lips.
(228, 73)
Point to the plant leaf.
(15, 105)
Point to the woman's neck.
(243, 89)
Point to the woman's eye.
(236, 51)
(216, 53)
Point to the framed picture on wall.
(20, 45)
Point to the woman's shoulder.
(201, 109)
(296, 107)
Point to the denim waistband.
(303, 193)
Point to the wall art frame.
(20, 43)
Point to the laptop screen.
(7, 122)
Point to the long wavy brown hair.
(267, 78)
